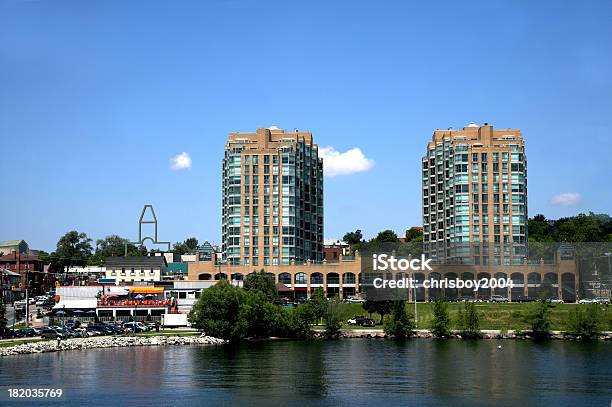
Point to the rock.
(107, 342)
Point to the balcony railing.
(133, 303)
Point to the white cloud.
(181, 161)
(349, 162)
(566, 199)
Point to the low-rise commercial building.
(33, 273)
(136, 268)
(344, 278)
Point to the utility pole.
(609, 256)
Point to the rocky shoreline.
(486, 334)
(108, 342)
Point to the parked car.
(522, 298)
(498, 298)
(356, 320)
(93, 331)
(355, 300)
(586, 301)
(135, 326)
(556, 301)
(50, 333)
(25, 333)
(7, 334)
(602, 300)
(367, 323)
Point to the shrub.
(441, 320)
(585, 322)
(219, 313)
(538, 318)
(333, 322)
(297, 322)
(318, 303)
(261, 282)
(400, 324)
(381, 307)
(468, 322)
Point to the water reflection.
(346, 372)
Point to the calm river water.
(342, 373)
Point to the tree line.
(77, 249)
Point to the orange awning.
(147, 290)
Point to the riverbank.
(107, 342)
(486, 334)
(500, 316)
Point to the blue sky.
(97, 96)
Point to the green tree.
(73, 249)
(261, 282)
(333, 320)
(538, 318)
(468, 321)
(414, 234)
(263, 317)
(381, 307)
(189, 245)
(353, 238)
(386, 236)
(547, 291)
(585, 321)
(441, 319)
(296, 322)
(318, 303)
(401, 324)
(218, 312)
(114, 245)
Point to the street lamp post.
(416, 317)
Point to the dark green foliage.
(261, 316)
(352, 238)
(219, 312)
(231, 313)
(440, 325)
(114, 245)
(73, 249)
(261, 282)
(414, 235)
(296, 322)
(333, 322)
(190, 245)
(468, 321)
(585, 321)
(400, 324)
(318, 303)
(547, 291)
(538, 318)
(386, 236)
(581, 228)
(382, 307)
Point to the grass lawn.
(492, 315)
(5, 344)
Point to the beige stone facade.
(272, 198)
(343, 277)
(474, 184)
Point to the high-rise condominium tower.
(272, 198)
(475, 196)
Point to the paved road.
(10, 315)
